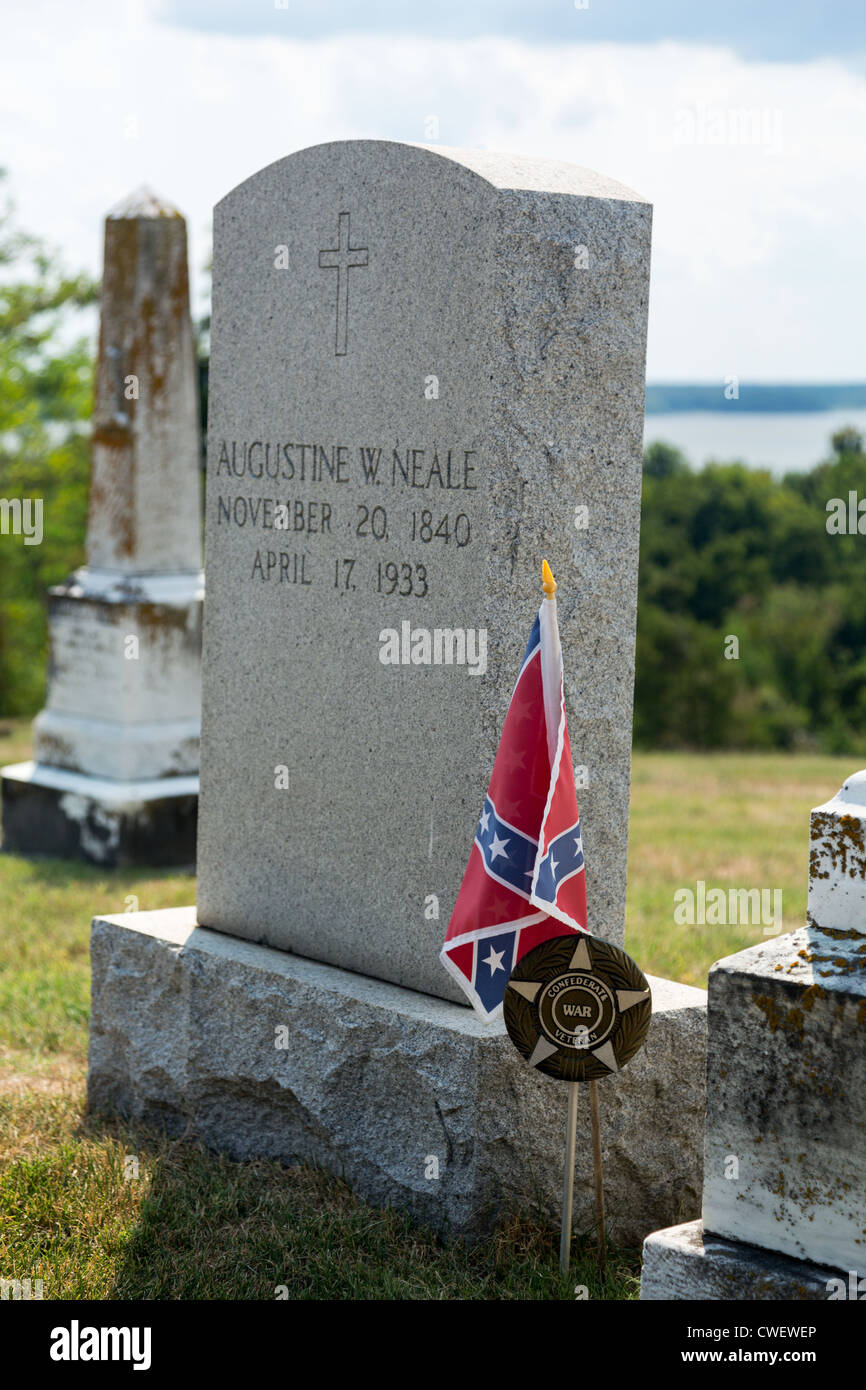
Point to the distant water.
(784, 443)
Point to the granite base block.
(685, 1262)
(411, 1098)
(69, 815)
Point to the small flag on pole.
(525, 878)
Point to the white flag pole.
(550, 686)
(551, 662)
(551, 683)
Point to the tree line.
(752, 604)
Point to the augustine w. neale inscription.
(448, 477)
(450, 469)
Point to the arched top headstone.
(427, 371)
(515, 172)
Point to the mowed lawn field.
(99, 1209)
(731, 820)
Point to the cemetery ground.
(97, 1208)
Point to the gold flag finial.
(547, 580)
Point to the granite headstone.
(427, 373)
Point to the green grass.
(192, 1225)
(735, 820)
(179, 1223)
(45, 911)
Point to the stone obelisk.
(115, 776)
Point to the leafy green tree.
(45, 400)
(848, 440)
(732, 552)
(662, 460)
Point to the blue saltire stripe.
(564, 857)
(509, 855)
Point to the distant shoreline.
(760, 398)
(783, 441)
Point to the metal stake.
(568, 1179)
(599, 1177)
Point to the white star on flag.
(494, 960)
(485, 820)
(498, 847)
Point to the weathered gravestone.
(427, 372)
(784, 1204)
(116, 748)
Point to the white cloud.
(754, 168)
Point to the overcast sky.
(744, 123)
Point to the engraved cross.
(343, 258)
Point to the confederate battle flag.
(525, 879)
